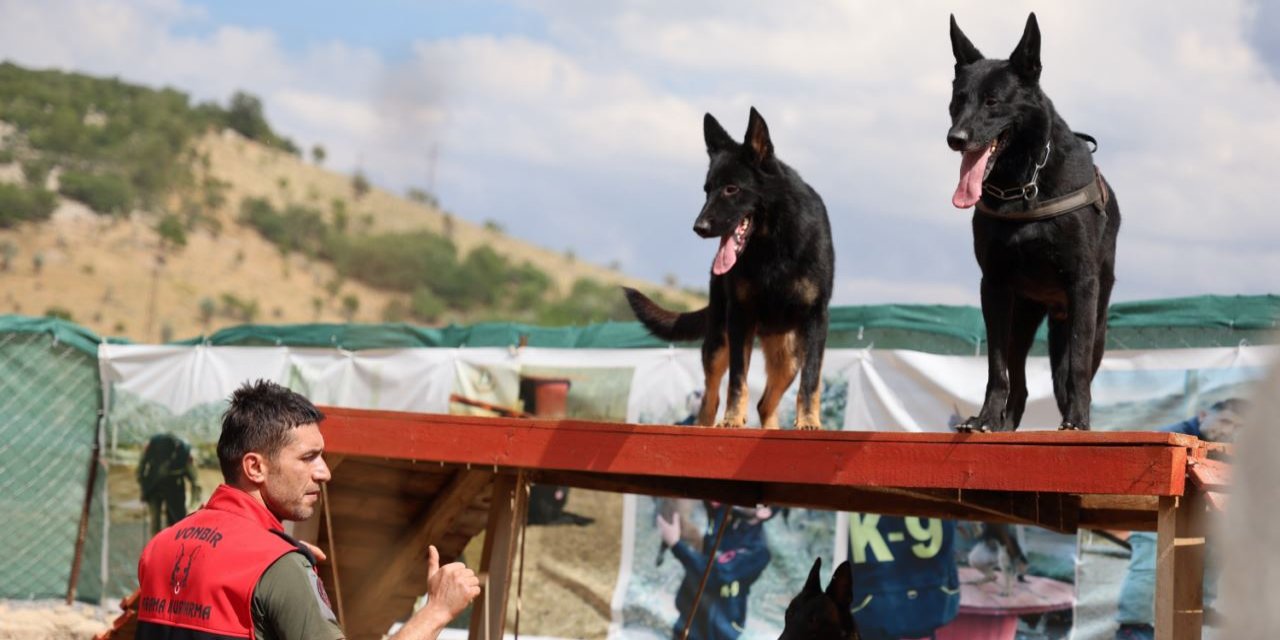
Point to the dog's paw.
(809, 427)
(1071, 426)
(972, 425)
(731, 424)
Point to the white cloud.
(590, 137)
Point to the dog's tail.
(668, 325)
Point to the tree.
(421, 196)
(359, 184)
(173, 237)
(173, 234)
(207, 308)
(7, 252)
(245, 116)
(340, 217)
(332, 287)
(60, 313)
(350, 305)
(318, 154)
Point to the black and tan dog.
(771, 278)
(815, 614)
(1044, 229)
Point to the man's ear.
(961, 48)
(253, 467)
(1026, 56)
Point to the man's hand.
(670, 531)
(449, 590)
(315, 551)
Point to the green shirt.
(288, 605)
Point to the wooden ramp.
(403, 480)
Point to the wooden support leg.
(1180, 567)
(506, 518)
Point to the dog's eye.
(991, 102)
(730, 189)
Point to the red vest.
(197, 577)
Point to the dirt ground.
(52, 620)
(570, 570)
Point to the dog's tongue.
(973, 168)
(726, 256)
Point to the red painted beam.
(1135, 463)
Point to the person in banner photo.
(1135, 614)
(905, 580)
(741, 557)
(163, 473)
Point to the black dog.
(770, 277)
(1044, 230)
(815, 614)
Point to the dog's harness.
(1093, 193)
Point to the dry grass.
(105, 272)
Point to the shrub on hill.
(104, 193)
(24, 204)
(142, 135)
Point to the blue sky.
(388, 27)
(577, 125)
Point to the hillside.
(139, 215)
(256, 170)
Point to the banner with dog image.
(601, 556)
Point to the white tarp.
(149, 388)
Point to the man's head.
(271, 445)
(1223, 419)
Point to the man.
(229, 570)
(166, 467)
(1135, 612)
(742, 557)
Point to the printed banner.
(602, 566)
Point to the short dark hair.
(258, 420)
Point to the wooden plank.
(1154, 466)
(506, 517)
(347, 500)
(394, 567)
(1117, 519)
(1180, 568)
(1166, 532)
(1209, 475)
(396, 477)
(1046, 510)
(1120, 502)
(1188, 588)
(341, 416)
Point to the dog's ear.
(814, 583)
(841, 588)
(717, 138)
(758, 140)
(1025, 58)
(963, 50)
